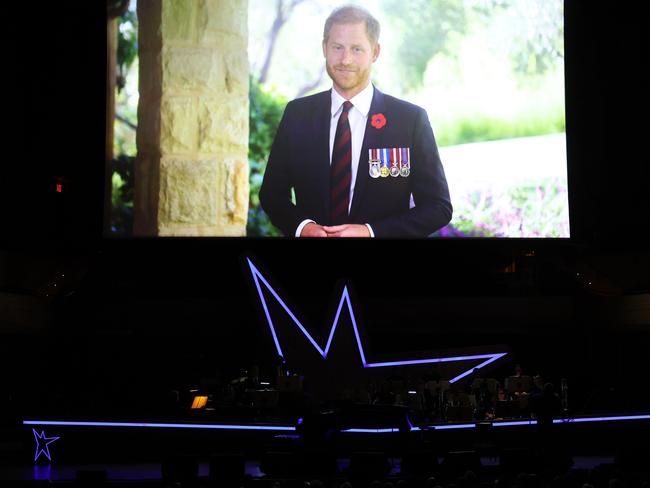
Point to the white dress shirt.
(357, 116)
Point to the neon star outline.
(40, 438)
(345, 298)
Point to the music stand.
(519, 384)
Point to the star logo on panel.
(478, 361)
(43, 444)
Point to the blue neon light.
(370, 431)
(345, 298)
(42, 472)
(159, 425)
(41, 439)
(43, 444)
(454, 426)
(514, 422)
(601, 419)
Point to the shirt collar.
(361, 100)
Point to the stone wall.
(191, 175)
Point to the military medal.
(374, 163)
(405, 163)
(386, 162)
(384, 171)
(394, 163)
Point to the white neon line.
(493, 358)
(601, 419)
(336, 322)
(346, 297)
(513, 423)
(356, 329)
(287, 309)
(266, 311)
(432, 360)
(154, 425)
(63, 423)
(454, 426)
(370, 431)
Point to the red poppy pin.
(378, 121)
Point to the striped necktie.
(341, 169)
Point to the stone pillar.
(191, 175)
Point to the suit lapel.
(321, 126)
(372, 139)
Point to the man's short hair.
(352, 14)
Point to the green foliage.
(538, 38)
(481, 128)
(122, 179)
(487, 8)
(124, 135)
(428, 28)
(127, 40)
(266, 111)
(425, 28)
(122, 195)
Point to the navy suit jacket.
(300, 160)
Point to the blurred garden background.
(490, 74)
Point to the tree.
(425, 28)
(127, 45)
(283, 10)
(539, 41)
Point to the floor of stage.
(56, 450)
(152, 471)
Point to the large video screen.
(456, 126)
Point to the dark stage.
(272, 362)
(263, 452)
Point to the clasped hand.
(348, 230)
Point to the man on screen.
(353, 155)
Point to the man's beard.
(346, 82)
